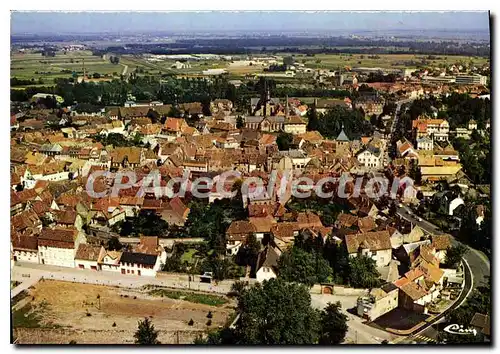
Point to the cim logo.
(459, 329)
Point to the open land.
(58, 312)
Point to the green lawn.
(188, 256)
(206, 299)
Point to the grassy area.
(13, 284)
(188, 256)
(211, 300)
(27, 66)
(394, 61)
(27, 317)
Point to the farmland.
(35, 66)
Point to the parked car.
(206, 277)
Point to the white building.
(89, 256)
(267, 263)
(370, 157)
(375, 245)
(58, 246)
(24, 248)
(111, 261)
(295, 125)
(471, 80)
(139, 264)
(425, 143)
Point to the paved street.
(477, 261)
(477, 268)
(358, 332)
(110, 278)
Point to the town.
(264, 198)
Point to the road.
(477, 267)
(357, 333)
(125, 69)
(36, 271)
(478, 262)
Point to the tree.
(415, 172)
(239, 122)
(363, 272)
(284, 140)
(239, 287)
(114, 244)
(276, 312)
(454, 255)
(175, 112)
(333, 324)
(146, 333)
(312, 116)
(301, 266)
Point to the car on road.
(400, 205)
(419, 219)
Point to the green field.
(36, 66)
(395, 61)
(27, 66)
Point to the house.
(425, 143)
(110, 261)
(262, 225)
(441, 243)
(68, 218)
(437, 129)
(436, 173)
(58, 246)
(370, 104)
(267, 263)
(89, 256)
(324, 105)
(375, 245)
(370, 157)
(126, 157)
(176, 212)
(283, 234)
(140, 264)
(24, 247)
(151, 245)
(236, 235)
(175, 127)
(412, 296)
(454, 204)
(289, 160)
(378, 302)
(294, 125)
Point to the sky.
(121, 22)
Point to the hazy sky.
(87, 22)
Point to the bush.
(209, 322)
(114, 324)
(191, 322)
(209, 314)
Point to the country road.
(125, 69)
